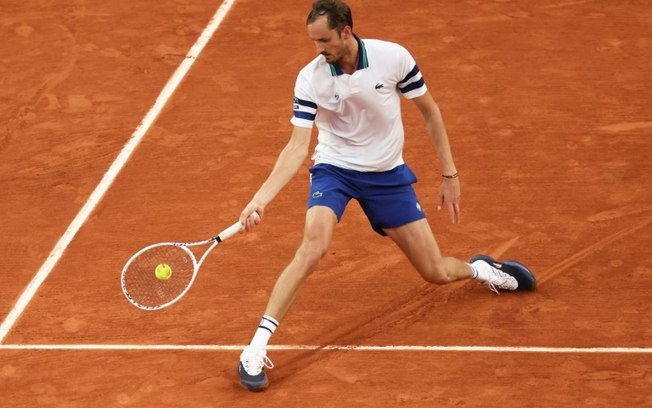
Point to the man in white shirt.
(352, 91)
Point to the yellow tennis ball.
(163, 271)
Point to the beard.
(334, 58)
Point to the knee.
(310, 253)
(436, 273)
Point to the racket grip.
(229, 232)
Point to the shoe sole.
(258, 388)
(253, 387)
(524, 277)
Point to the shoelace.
(491, 286)
(254, 362)
(500, 280)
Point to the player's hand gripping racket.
(159, 275)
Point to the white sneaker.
(494, 278)
(501, 280)
(252, 369)
(506, 275)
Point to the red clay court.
(120, 130)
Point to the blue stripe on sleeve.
(412, 73)
(412, 86)
(305, 103)
(304, 115)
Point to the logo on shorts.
(419, 207)
(317, 194)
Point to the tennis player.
(351, 91)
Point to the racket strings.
(143, 287)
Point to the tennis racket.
(147, 291)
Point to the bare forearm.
(439, 137)
(287, 165)
(436, 131)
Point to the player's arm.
(287, 164)
(449, 192)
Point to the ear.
(347, 33)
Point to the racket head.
(141, 286)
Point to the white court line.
(236, 347)
(112, 173)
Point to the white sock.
(481, 271)
(266, 328)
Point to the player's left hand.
(449, 196)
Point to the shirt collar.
(363, 62)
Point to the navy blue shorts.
(387, 198)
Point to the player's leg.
(329, 195)
(418, 243)
(393, 209)
(318, 233)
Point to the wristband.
(452, 176)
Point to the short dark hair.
(337, 12)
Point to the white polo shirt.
(358, 116)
